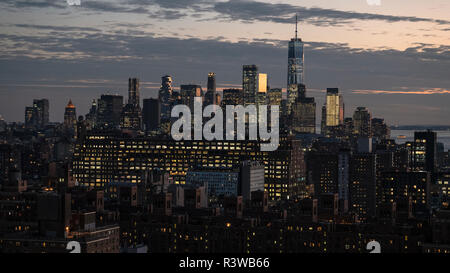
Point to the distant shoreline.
(421, 127)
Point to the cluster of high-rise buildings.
(115, 180)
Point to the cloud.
(246, 10)
(54, 28)
(431, 91)
(337, 60)
(231, 10)
(74, 56)
(20, 4)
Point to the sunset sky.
(393, 58)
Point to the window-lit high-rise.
(250, 83)
(295, 68)
(362, 122)
(334, 108)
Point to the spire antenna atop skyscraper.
(296, 23)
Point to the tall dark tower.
(211, 81)
(424, 151)
(42, 110)
(250, 83)
(70, 116)
(109, 111)
(165, 96)
(210, 96)
(151, 114)
(295, 68)
(132, 114)
(133, 92)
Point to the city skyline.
(68, 53)
(224, 127)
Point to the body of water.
(442, 136)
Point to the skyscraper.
(232, 97)
(188, 93)
(323, 121)
(261, 99)
(275, 96)
(109, 111)
(261, 95)
(70, 116)
(151, 114)
(295, 68)
(262, 82)
(133, 92)
(380, 130)
(424, 151)
(362, 186)
(362, 122)
(91, 117)
(323, 172)
(131, 118)
(165, 95)
(334, 108)
(211, 96)
(37, 116)
(132, 113)
(30, 117)
(303, 116)
(250, 83)
(42, 110)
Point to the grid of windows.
(102, 159)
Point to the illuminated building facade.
(424, 151)
(275, 96)
(232, 96)
(362, 185)
(101, 159)
(261, 95)
(443, 185)
(334, 108)
(218, 182)
(323, 172)
(362, 122)
(414, 185)
(303, 116)
(262, 82)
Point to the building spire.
(296, 23)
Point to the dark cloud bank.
(43, 65)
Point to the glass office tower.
(295, 68)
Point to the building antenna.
(296, 23)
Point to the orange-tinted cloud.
(430, 91)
